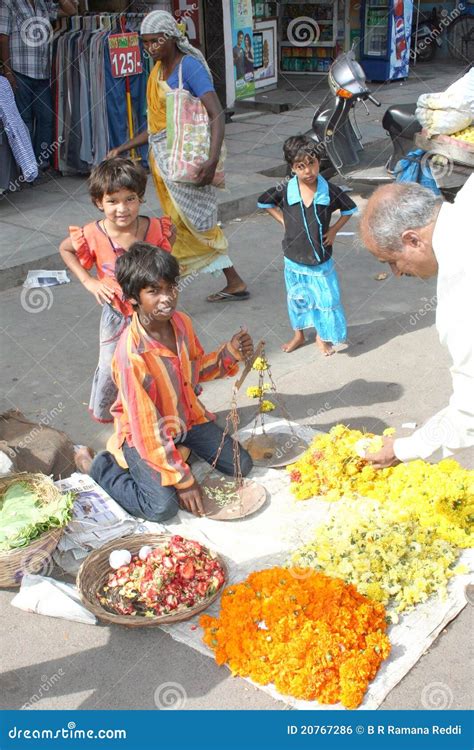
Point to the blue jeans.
(138, 489)
(35, 104)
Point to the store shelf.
(290, 52)
(309, 46)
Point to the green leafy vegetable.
(26, 513)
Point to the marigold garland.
(314, 637)
(255, 391)
(392, 561)
(441, 495)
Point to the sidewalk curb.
(14, 276)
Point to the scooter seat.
(401, 120)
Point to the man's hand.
(100, 290)
(330, 236)
(242, 341)
(206, 173)
(113, 153)
(190, 499)
(385, 457)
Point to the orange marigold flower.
(314, 637)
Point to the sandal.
(228, 296)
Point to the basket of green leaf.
(33, 514)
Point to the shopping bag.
(188, 136)
(413, 168)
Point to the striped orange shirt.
(157, 394)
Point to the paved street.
(393, 371)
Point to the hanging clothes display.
(90, 104)
(16, 151)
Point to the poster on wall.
(188, 12)
(242, 48)
(400, 44)
(264, 53)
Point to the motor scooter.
(339, 141)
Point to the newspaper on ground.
(45, 278)
(96, 520)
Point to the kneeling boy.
(157, 367)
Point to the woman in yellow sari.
(200, 244)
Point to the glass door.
(376, 28)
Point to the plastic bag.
(188, 136)
(45, 596)
(448, 111)
(413, 169)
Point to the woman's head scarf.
(161, 22)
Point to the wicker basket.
(94, 572)
(37, 556)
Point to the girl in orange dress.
(117, 187)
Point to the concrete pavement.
(393, 371)
(35, 220)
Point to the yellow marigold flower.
(441, 495)
(394, 562)
(267, 406)
(389, 431)
(260, 364)
(253, 391)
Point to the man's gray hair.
(408, 206)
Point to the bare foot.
(83, 457)
(294, 343)
(325, 347)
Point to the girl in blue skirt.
(304, 206)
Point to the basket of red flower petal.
(150, 579)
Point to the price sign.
(125, 57)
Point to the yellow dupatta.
(194, 250)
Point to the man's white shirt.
(452, 428)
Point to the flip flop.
(228, 297)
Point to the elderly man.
(409, 228)
(25, 60)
